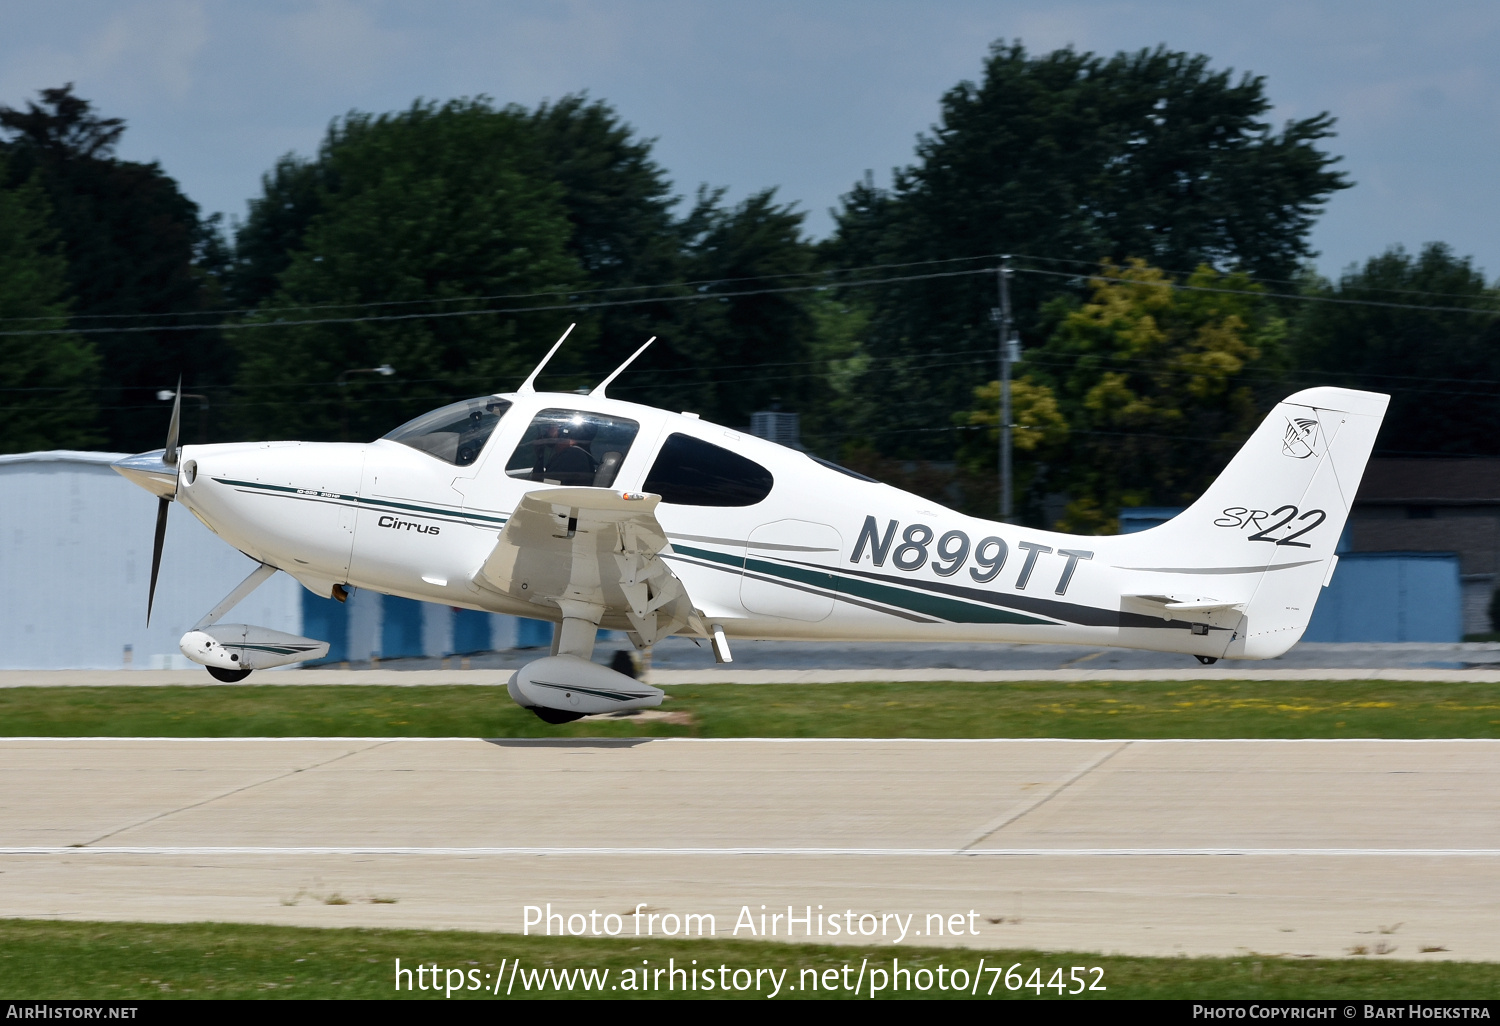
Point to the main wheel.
(227, 676)
(549, 715)
(1208, 660)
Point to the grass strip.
(1193, 709)
(123, 961)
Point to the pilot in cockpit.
(563, 453)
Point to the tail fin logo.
(1301, 438)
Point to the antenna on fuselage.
(599, 388)
(527, 385)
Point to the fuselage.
(784, 548)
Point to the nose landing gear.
(229, 651)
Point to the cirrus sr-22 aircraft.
(596, 513)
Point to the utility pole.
(1007, 354)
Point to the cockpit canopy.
(573, 448)
(560, 446)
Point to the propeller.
(169, 457)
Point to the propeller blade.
(161, 537)
(170, 456)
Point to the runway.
(1145, 847)
(678, 661)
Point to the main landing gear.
(568, 686)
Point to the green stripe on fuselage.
(952, 610)
(451, 514)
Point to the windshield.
(454, 434)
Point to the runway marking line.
(229, 793)
(585, 741)
(200, 851)
(1005, 819)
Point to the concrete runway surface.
(678, 661)
(1146, 847)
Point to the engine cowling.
(564, 687)
(243, 646)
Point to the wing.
(595, 546)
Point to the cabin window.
(454, 434)
(571, 447)
(692, 472)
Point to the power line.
(1300, 298)
(697, 283)
(552, 307)
(691, 284)
(1247, 277)
(961, 357)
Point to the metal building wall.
(1391, 596)
(371, 626)
(1373, 596)
(75, 561)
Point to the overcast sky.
(800, 94)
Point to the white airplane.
(595, 513)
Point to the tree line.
(1157, 224)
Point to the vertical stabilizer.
(1262, 537)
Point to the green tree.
(615, 197)
(726, 356)
(1441, 367)
(46, 379)
(424, 210)
(603, 206)
(291, 196)
(132, 242)
(1071, 158)
(618, 202)
(1141, 394)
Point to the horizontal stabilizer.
(1193, 608)
(1184, 603)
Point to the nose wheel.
(227, 676)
